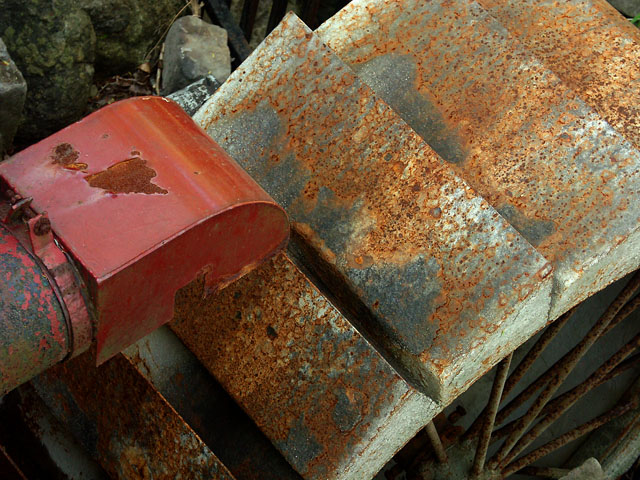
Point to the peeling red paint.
(142, 227)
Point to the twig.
(148, 55)
(159, 70)
(196, 8)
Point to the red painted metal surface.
(33, 332)
(145, 202)
(81, 325)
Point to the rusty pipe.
(34, 332)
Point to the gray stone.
(629, 8)
(193, 50)
(52, 43)
(13, 90)
(589, 470)
(127, 30)
(192, 97)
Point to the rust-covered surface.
(589, 45)
(33, 332)
(217, 419)
(549, 163)
(124, 423)
(325, 398)
(437, 279)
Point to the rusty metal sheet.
(552, 166)
(124, 423)
(589, 45)
(429, 272)
(325, 398)
(38, 444)
(144, 201)
(217, 419)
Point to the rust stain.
(590, 46)
(128, 176)
(390, 222)
(67, 157)
(532, 147)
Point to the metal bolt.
(42, 226)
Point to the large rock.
(629, 8)
(589, 470)
(52, 43)
(193, 50)
(13, 90)
(127, 30)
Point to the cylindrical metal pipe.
(34, 334)
(436, 443)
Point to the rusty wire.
(556, 374)
(568, 437)
(490, 415)
(547, 336)
(634, 421)
(623, 313)
(560, 405)
(436, 443)
(621, 368)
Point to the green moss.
(53, 44)
(127, 30)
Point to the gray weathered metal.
(325, 398)
(425, 268)
(548, 162)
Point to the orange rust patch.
(67, 156)
(128, 176)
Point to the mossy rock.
(13, 91)
(53, 43)
(127, 30)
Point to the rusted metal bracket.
(17, 210)
(80, 324)
(144, 201)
